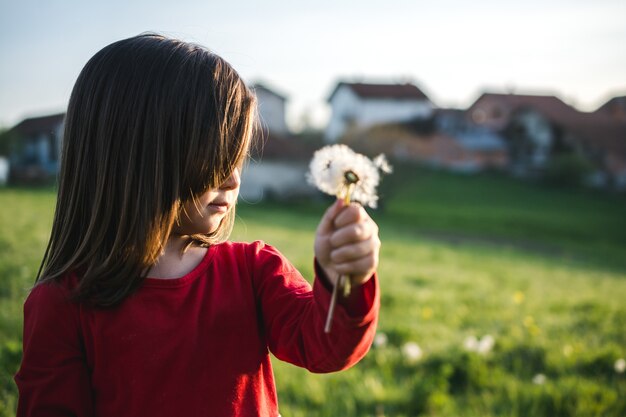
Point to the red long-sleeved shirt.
(190, 346)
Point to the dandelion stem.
(343, 282)
(331, 308)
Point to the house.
(278, 161)
(539, 127)
(277, 169)
(472, 147)
(447, 142)
(360, 105)
(35, 156)
(271, 107)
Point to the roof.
(550, 106)
(615, 107)
(406, 91)
(35, 125)
(272, 146)
(263, 87)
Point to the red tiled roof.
(34, 125)
(550, 106)
(615, 107)
(599, 131)
(269, 146)
(616, 101)
(405, 91)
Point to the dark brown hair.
(152, 123)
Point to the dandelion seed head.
(486, 344)
(335, 167)
(620, 366)
(380, 340)
(482, 346)
(412, 352)
(470, 343)
(539, 379)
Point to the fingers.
(347, 242)
(354, 251)
(327, 223)
(354, 232)
(359, 269)
(352, 213)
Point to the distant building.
(462, 145)
(37, 148)
(360, 105)
(271, 110)
(277, 169)
(4, 170)
(446, 141)
(539, 127)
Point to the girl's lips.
(219, 206)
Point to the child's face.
(205, 215)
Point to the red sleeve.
(53, 379)
(294, 315)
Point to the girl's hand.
(347, 243)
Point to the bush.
(567, 169)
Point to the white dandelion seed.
(470, 343)
(381, 162)
(486, 344)
(337, 170)
(412, 352)
(539, 379)
(481, 346)
(620, 366)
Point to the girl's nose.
(233, 181)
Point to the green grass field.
(542, 271)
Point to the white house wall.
(388, 110)
(345, 107)
(539, 131)
(350, 110)
(272, 112)
(260, 180)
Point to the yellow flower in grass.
(531, 326)
(568, 350)
(427, 313)
(518, 297)
(529, 321)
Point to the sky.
(451, 49)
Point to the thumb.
(326, 224)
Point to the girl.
(142, 308)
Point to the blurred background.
(503, 267)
